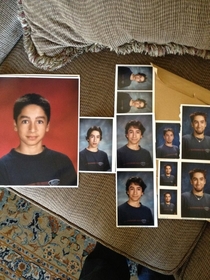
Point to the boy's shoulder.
(55, 154)
(7, 156)
(45, 154)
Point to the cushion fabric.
(10, 27)
(57, 31)
(193, 270)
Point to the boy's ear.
(15, 125)
(48, 127)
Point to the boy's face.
(199, 124)
(134, 192)
(167, 198)
(134, 135)
(31, 125)
(198, 182)
(168, 169)
(169, 137)
(94, 139)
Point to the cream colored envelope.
(168, 85)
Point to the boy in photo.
(91, 158)
(133, 212)
(32, 163)
(132, 155)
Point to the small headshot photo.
(134, 77)
(135, 145)
(167, 140)
(38, 116)
(135, 199)
(168, 202)
(134, 102)
(195, 198)
(95, 144)
(196, 132)
(168, 173)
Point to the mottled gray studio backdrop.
(186, 122)
(186, 167)
(148, 85)
(147, 96)
(106, 126)
(147, 139)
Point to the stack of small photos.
(162, 167)
(135, 158)
(183, 153)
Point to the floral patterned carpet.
(36, 245)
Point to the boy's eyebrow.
(27, 117)
(133, 129)
(93, 134)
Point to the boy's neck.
(135, 204)
(168, 144)
(32, 150)
(133, 146)
(92, 149)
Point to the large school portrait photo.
(39, 130)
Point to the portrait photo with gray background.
(160, 126)
(147, 96)
(148, 197)
(147, 85)
(186, 122)
(185, 177)
(173, 194)
(106, 125)
(146, 141)
(174, 167)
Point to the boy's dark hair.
(193, 115)
(136, 124)
(165, 193)
(167, 164)
(137, 181)
(28, 99)
(168, 129)
(91, 129)
(144, 75)
(195, 170)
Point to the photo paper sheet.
(96, 153)
(39, 130)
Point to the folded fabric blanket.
(57, 31)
